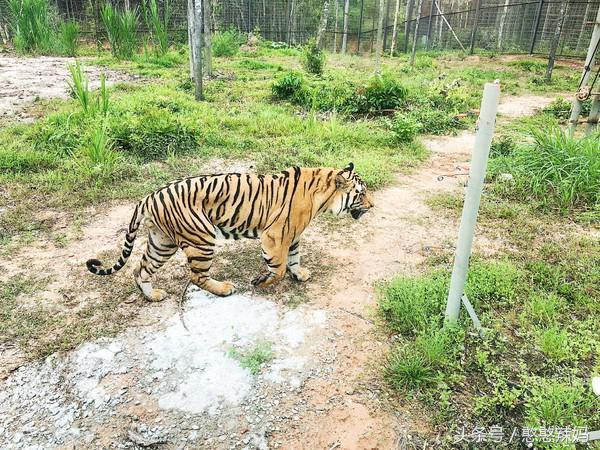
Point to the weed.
(405, 128)
(255, 358)
(288, 87)
(529, 65)
(408, 369)
(121, 29)
(80, 90)
(543, 309)
(68, 36)
(30, 22)
(226, 43)
(156, 25)
(554, 343)
(313, 58)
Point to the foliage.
(288, 87)
(121, 29)
(313, 58)
(502, 146)
(561, 108)
(404, 127)
(559, 169)
(31, 26)
(255, 358)
(80, 90)
(226, 43)
(383, 91)
(158, 27)
(68, 36)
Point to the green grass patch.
(254, 358)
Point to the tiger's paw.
(157, 295)
(220, 288)
(261, 280)
(300, 274)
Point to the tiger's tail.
(95, 265)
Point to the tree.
(322, 22)
(379, 44)
(416, 36)
(395, 30)
(345, 36)
(195, 44)
(555, 39)
(207, 37)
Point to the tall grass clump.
(226, 43)
(80, 90)
(156, 25)
(68, 35)
(121, 29)
(97, 156)
(313, 58)
(31, 26)
(559, 169)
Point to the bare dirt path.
(24, 81)
(159, 383)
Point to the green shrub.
(14, 160)
(68, 36)
(436, 121)
(253, 64)
(560, 169)
(406, 368)
(97, 157)
(288, 87)
(529, 65)
(491, 283)
(31, 26)
(502, 146)
(121, 29)
(226, 43)
(405, 127)
(383, 91)
(313, 58)
(561, 108)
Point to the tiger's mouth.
(357, 213)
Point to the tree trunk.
(416, 36)
(555, 39)
(207, 37)
(395, 30)
(502, 22)
(582, 29)
(190, 21)
(345, 37)
(335, 26)
(409, 11)
(323, 22)
(379, 45)
(197, 46)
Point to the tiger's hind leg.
(200, 259)
(293, 265)
(158, 251)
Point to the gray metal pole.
(483, 141)
(587, 72)
(538, 14)
(475, 24)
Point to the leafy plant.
(255, 358)
(560, 169)
(288, 87)
(68, 36)
(121, 29)
(405, 127)
(554, 343)
(31, 26)
(313, 58)
(97, 156)
(156, 25)
(80, 90)
(226, 43)
(383, 91)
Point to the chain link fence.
(500, 26)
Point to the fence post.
(538, 14)
(555, 40)
(362, 7)
(429, 24)
(96, 22)
(475, 24)
(483, 141)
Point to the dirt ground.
(158, 383)
(25, 81)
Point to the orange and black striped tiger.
(193, 212)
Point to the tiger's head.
(352, 193)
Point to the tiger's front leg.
(275, 254)
(296, 272)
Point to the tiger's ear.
(340, 180)
(350, 167)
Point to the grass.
(255, 358)
(121, 31)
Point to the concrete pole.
(483, 141)
(587, 72)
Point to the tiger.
(192, 213)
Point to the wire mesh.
(499, 26)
